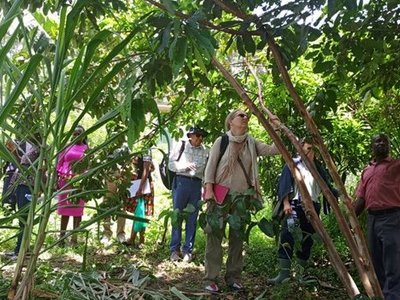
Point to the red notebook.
(220, 193)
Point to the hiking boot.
(175, 256)
(284, 273)
(302, 263)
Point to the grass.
(117, 271)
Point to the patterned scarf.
(238, 144)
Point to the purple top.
(69, 156)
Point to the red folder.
(220, 193)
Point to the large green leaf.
(189, 209)
(20, 86)
(249, 44)
(214, 221)
(104, 64)
(332, 8)
(178, 294)
(267, 227)
(165, 37)
(240, 46)
(99, 88)
(235, 222)
(6, 48)
(169, 5)
(9, 17)
(159, 21)
(179, 55)
(200, 60)
(92, 47)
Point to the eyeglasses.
(242, 115)
(198, 135)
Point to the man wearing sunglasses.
(189, 166)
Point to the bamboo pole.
(357, 243)
(337, 263)
(362, 260)
(342, 223)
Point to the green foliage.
(4, 284)
(237, 211)
(176, 216)
(268, 227)
(113, 61)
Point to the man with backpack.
(187, 161)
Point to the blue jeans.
(185, 191)
(384, 244)
(8, 193)
(24, 197)
(286, 243)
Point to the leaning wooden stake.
(357, 244)
(342, 223)
(360, 253)
(337, 263)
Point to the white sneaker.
(187, 257)
(105, 240)
(121, 238)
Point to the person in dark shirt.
(24, 186)
(295, 215)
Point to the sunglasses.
(242, 116)
(198, 135)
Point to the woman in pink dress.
(70, 207)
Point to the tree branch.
(360, 254)
(340, 268)
(207, 23)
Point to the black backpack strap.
(222, 146)
(181, 150)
